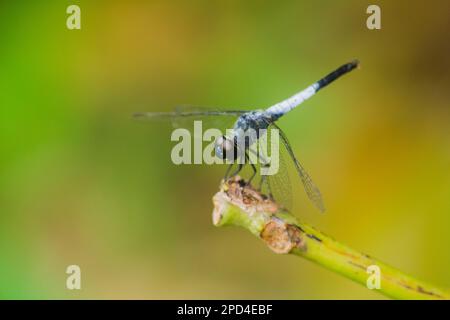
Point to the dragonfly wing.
(188, 112)
(170, 115)
(277, 185)
(311, 189)
(184, 117)
(280, 185)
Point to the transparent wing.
(184, 117)
(280, 185)
(277, 185)
(311, 189)
(188, 113)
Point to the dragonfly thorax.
(255, 120)
(246, 131)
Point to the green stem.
(284, 234)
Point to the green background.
(82, 183)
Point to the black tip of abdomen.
(353, 64)
(337, 73)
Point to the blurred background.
(82, 183)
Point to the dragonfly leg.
(227, 173)
(270, 191)
(253, 168)
(239, 168)
(261, 182)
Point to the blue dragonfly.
(227, 146)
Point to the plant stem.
(238, 204)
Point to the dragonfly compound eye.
(225, 149)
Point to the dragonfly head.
(225, 148)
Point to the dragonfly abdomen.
(283, 107)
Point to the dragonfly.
(227, 147)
